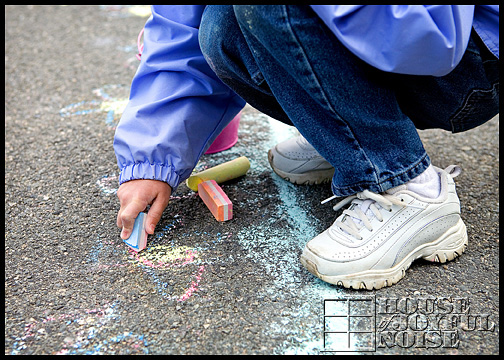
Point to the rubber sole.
(310, 178)
(447, 247)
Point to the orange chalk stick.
(216, 200)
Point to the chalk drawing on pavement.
(177, 270)
(274, 248)
(158, 259)
(126, 10)
(108, 184)
(277, 249)
(110, 100)
(87, 333)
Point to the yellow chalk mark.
(117, 106)
(165, 256)
(140, 10)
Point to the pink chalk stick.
(216, 200)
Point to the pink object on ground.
(227, 138)
(139, 45)
(216, 200)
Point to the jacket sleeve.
(406, 39)
(177, 105)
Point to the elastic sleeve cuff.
(149, 171)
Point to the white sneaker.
(375, 240)
(297, 161)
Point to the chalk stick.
(216, 200)
(138, 238)
(220, 173)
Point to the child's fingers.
(127, 216)
(156, 211)
(119, 219)
(134, 196)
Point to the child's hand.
(134, 197)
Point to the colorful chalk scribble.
(159, 258)
(111, 101)
(108, 183)
(87, 330)
(175, 270)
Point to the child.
(356, 81)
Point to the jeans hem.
(382, 186)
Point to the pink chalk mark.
(194, 285)
(29, 328)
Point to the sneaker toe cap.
(294, 162)
(328, 255)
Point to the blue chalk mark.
(303, 225)
(110, 118)
(96, 106)
(67, 110)
(95, 251)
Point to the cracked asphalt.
(201, 287)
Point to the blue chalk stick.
(138, 238)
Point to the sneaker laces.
(355, 216)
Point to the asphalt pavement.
(201, 286)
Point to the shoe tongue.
(364, 206)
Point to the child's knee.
(215, 35)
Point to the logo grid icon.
(350, 324)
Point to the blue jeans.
(284, 61)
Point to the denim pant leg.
(339, 103)
(463, 99)
(228, 54)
